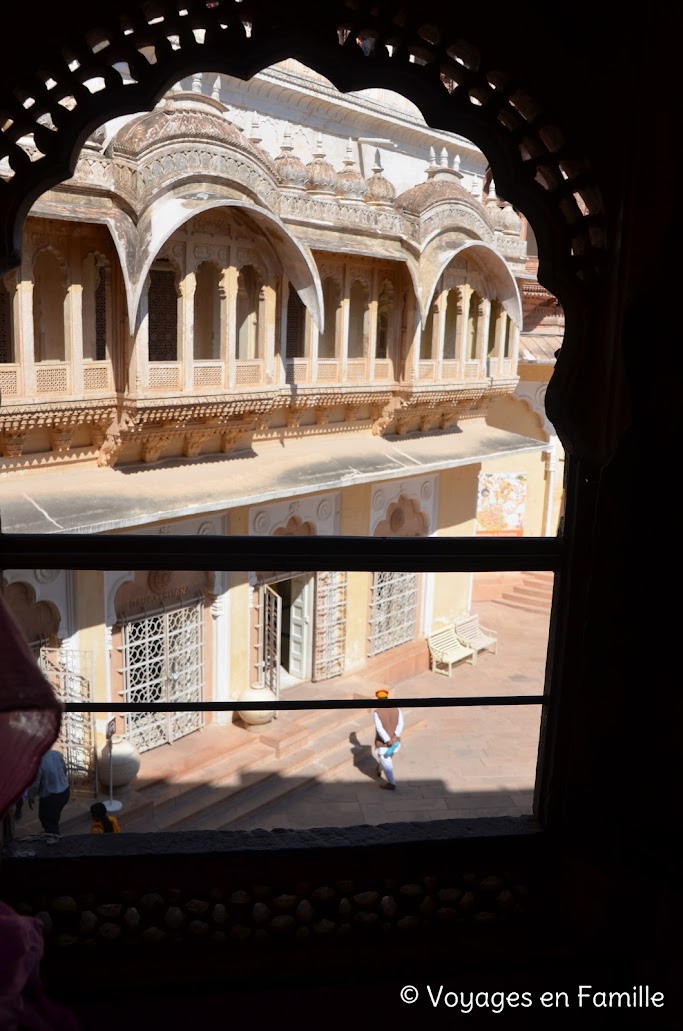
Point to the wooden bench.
(472, 634)
(445, 650)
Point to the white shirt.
(379, 726)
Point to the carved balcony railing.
(383, 370)
(249, 372)
(328, 371)
(53, 378)
(426, 371)
(473, 369)
(298, 371)
(97, 377)
(356, 371)
(208, 375)
(10, 381)
(450, 370)
(165, 376)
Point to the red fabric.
(30, 713)
(23, 1003)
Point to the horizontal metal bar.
(300, 704)
(197, 552)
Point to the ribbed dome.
(380, 190)
(418, 198)
(511, 221)
(350, 183)
(441, 185)
(291, 170)
(184, 116)
(321, 176)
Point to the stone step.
(511, 601)
(268, 778)
(268, 784)
(327, 760)
(179, 802)
(534, 591)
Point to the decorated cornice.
(61, 421)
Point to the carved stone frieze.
(449, 215)
(195, 440)
(60, 440)
(12, 443)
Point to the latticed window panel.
(71, 675)
(163, 662)
(9, 382)
(208, 375)
(163, 316)
(248, 373)
(330, 624)
(96, 377)
(100, 317)
(296, 326)
(393, 610)
(51, 379)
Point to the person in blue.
(388, 730)
(51, 787)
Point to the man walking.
(52, 788)
(388, 730)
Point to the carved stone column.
(73, 324)
(23, 332)
(188, 286)
(464, 328)
(372, 328)
(139, 359)
(229, 284)
(342, 348)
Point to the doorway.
(296, 628)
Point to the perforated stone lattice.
(123, 65)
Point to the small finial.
(432, 157)
(197, 84)
(456, 162)
(255, 136)
(444, 158)
(377, 167)
(216, 91)
(492, 191)
(319, 151)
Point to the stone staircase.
(531, 593)
(225, 774)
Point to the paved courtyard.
(455, 762)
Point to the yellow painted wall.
(513, 414)
(240, 670)
(533, 465)
(92, 638)
(456, 518)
